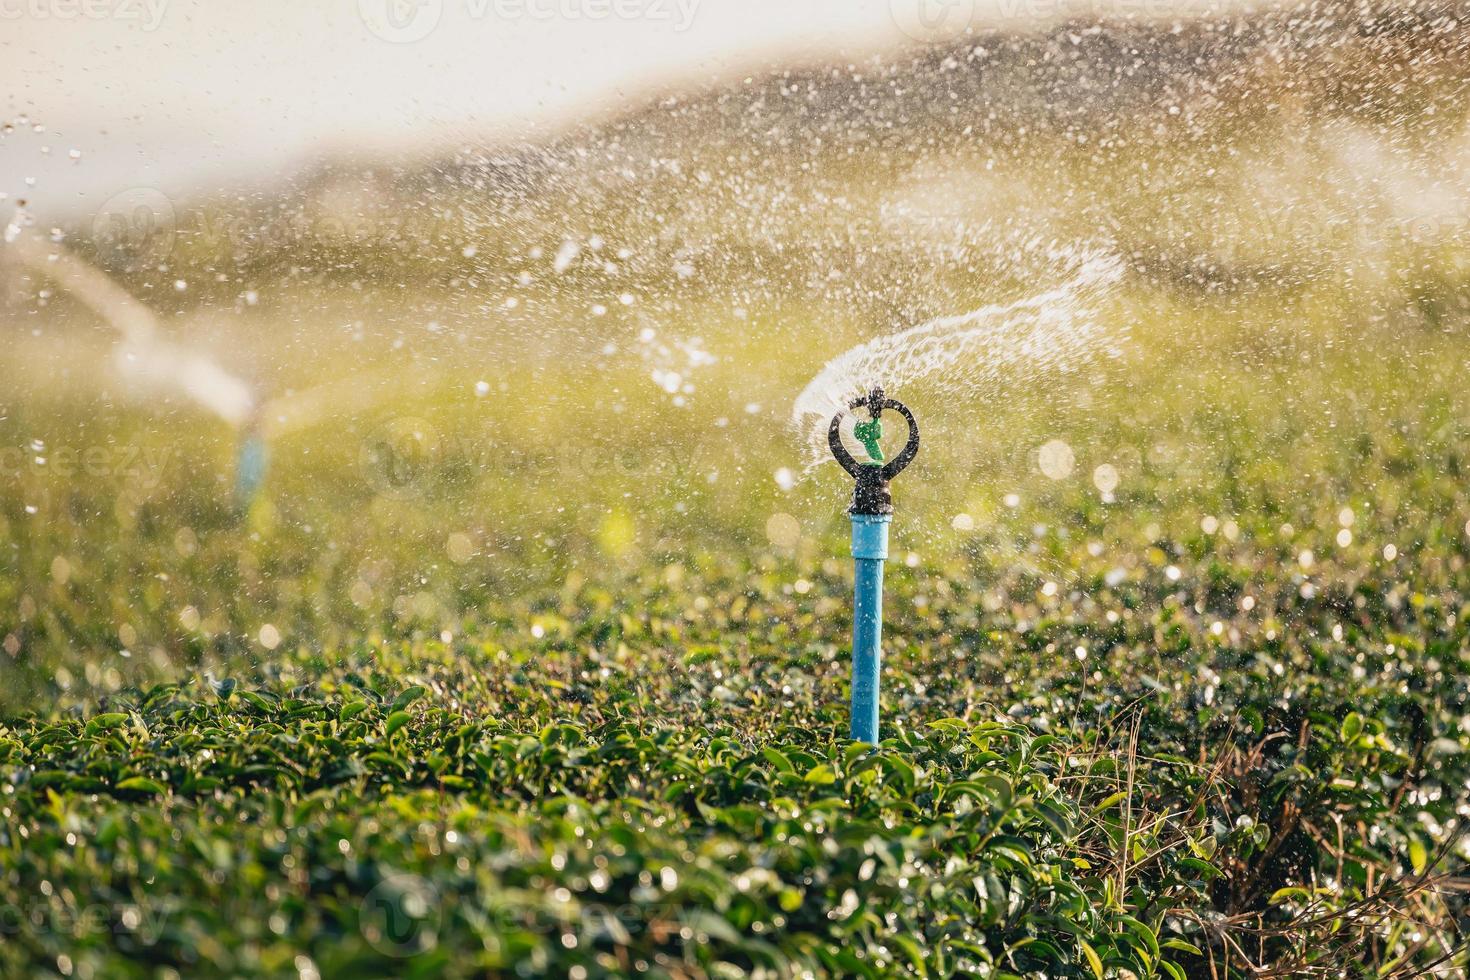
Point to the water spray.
(148, 360)
(871, 513)
(983, 354)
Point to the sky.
(189, 96)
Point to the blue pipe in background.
(869, 552)
(251, 459)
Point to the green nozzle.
(868, 433)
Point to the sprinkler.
(871, 512)
(251, 459)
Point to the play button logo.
(401, 21)
(932, 21)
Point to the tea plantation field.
(1119, 739)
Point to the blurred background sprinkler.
(148, 359)
(871, 513)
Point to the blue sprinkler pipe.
(871, 513)
(251, 460)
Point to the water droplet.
(1056, 459)
(783, 530)
(566, 255)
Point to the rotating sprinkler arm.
(871, 512)
(871, 495)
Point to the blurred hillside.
(997, 130)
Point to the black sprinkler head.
(871, 494)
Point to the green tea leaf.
(106, 722)
(142, 784)
(821, 775)
(1094, 962)
(407, 698)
